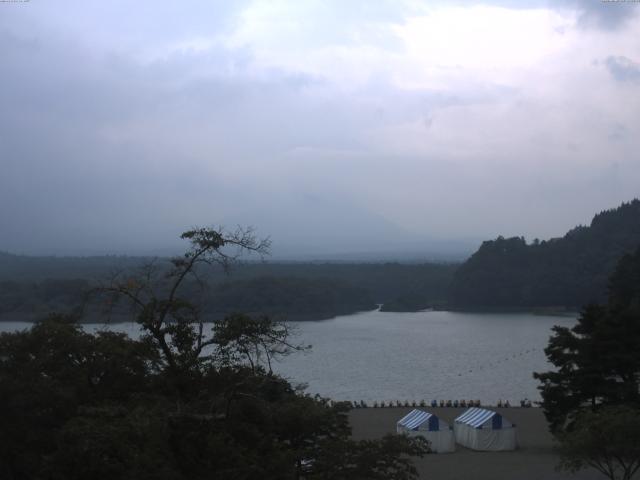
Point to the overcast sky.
(332, 126)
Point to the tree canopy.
(568, 272)
(607, 440)
(30, 287)
(181, 402)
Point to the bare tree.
(173, 324)
(256, 341)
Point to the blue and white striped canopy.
(414, 419)
(476, 417)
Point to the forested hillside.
(504, 273)
(569, 271)
(33, 286)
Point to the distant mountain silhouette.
(569, 271)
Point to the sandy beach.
(533, 460)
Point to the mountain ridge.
(568, 271)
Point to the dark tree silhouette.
(607, 440)
(597, 361)
(180, 403)
(561, 272)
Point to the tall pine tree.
(598, 360)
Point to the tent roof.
(414, 419)
(476, 417)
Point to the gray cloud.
(109, 154)
(623, 69)
(608, 15)
(602, 14)
(122, 126)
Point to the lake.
(376, 356)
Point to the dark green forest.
(286, 297)
(297, 298)
(561, 272)
(32, 286)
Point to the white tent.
(481, 429)
(427, 425)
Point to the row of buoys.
(421, 403)
(506, 359)
(524, 403)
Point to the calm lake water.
(376, 356)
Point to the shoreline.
(33, 317)
(118, 318)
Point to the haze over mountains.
(333, 127)
(506, 273)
